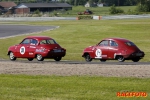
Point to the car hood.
(89, 48)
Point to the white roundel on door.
(22, 50)
(98, 53)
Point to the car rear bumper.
(135, 55)
(54, 54)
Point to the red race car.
(38, 47)
(113, 49)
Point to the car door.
(23, 49)
(113, 49)
(101, 50)
(32, 47)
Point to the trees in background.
(143, 5)
(83, 2)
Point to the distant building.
(90, 5)
(87, 4)
(7, 5)
(42, 7)
(100, 5)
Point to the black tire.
(103, 60)
(30, 59)
(120, 58)
(39, 57)
(135, 59)
(12, 57)
(88, 58)
(57, 58)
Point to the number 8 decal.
(22, 50)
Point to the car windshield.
(130, 43)
(50, 41)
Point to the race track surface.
(15, 30)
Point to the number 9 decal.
(98, 53)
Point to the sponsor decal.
(132, 94)
(39, 50)
(22, 50)
(30, 53)
(32, 47)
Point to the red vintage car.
(39, 47)
(113, 49)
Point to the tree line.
(83, 2)
(143, 5)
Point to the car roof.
(39, 37)
(118, 39)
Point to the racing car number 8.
(22, 50)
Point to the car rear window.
(51, 41)
(130, 43)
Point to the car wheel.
(120, 59)
(88, 58)
(135, 59)
(102, 60)
(39, 57)
(12, 57)
(57, 58)
(30, 59)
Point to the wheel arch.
(8, 53)
(86, 53)
(116, 55)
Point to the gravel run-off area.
(139, 71)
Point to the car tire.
(12, 57)
(120, 58)
(30, 59)
(57, 58)
(88, 58)
(135, 59)
(103, 60)
(39, 57)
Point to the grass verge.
(24, 87)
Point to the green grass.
(78, 34)
(23, 87)
(101, 11)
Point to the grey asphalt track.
(15, 30)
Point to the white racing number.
(98, 53)
(22, 50)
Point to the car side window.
(26, 41)
(104, 43)
(47, 42)
(51, 41)
(113, 43)
(43, 42)
(33, 42)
